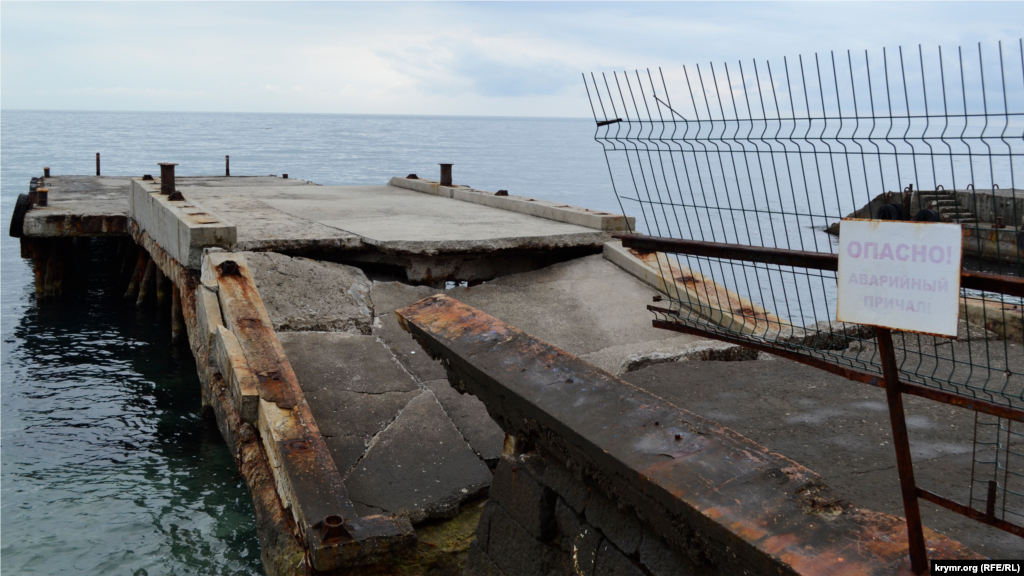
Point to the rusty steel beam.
(702, 486)
(970, 512)
(1009, 285)
(850, 373)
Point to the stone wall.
(541, 519)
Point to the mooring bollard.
(46, 172)
(227, 165)
(285, 176)
(42, 197)
(167, 177)
(97, 163)
(446, 174)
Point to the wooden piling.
(177, 317)
(140, 269)
(147, 279)
(161, 287)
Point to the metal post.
(901, 442)
(446, 174)
(97, 163)
(46, 172)
(227, 165)
(42, 196)
(167, 177)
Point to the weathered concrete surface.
(81, 206)
(420, 465)
(399, 220)
(839, 429)
(353, 386)
(310, 295)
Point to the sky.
(451, 58)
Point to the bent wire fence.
(739, 188)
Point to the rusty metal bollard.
(446, 174)
(167, 177)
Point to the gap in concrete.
(447, 270)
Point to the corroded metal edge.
(704, 487)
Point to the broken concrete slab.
(406, 350)
(470, 416)
(625, 358)
(313, 296)
(582, 306)
(390, 296)
(355, 415)
(420, 465)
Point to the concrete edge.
(181, 227)
(699, 295)
(604, 221)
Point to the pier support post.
(177, 317)
(147, 279)
(161, 287)
(140, 269)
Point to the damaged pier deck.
(360, 455)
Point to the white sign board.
(900, 275)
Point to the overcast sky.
(495, 59)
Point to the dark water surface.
(107, 467)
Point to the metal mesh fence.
(774, 155)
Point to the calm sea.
(107, 467)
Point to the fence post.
(901, 442)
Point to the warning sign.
(900, 275)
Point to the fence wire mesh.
(768, 155)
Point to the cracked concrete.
(420, 465)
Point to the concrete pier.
(360, 455)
